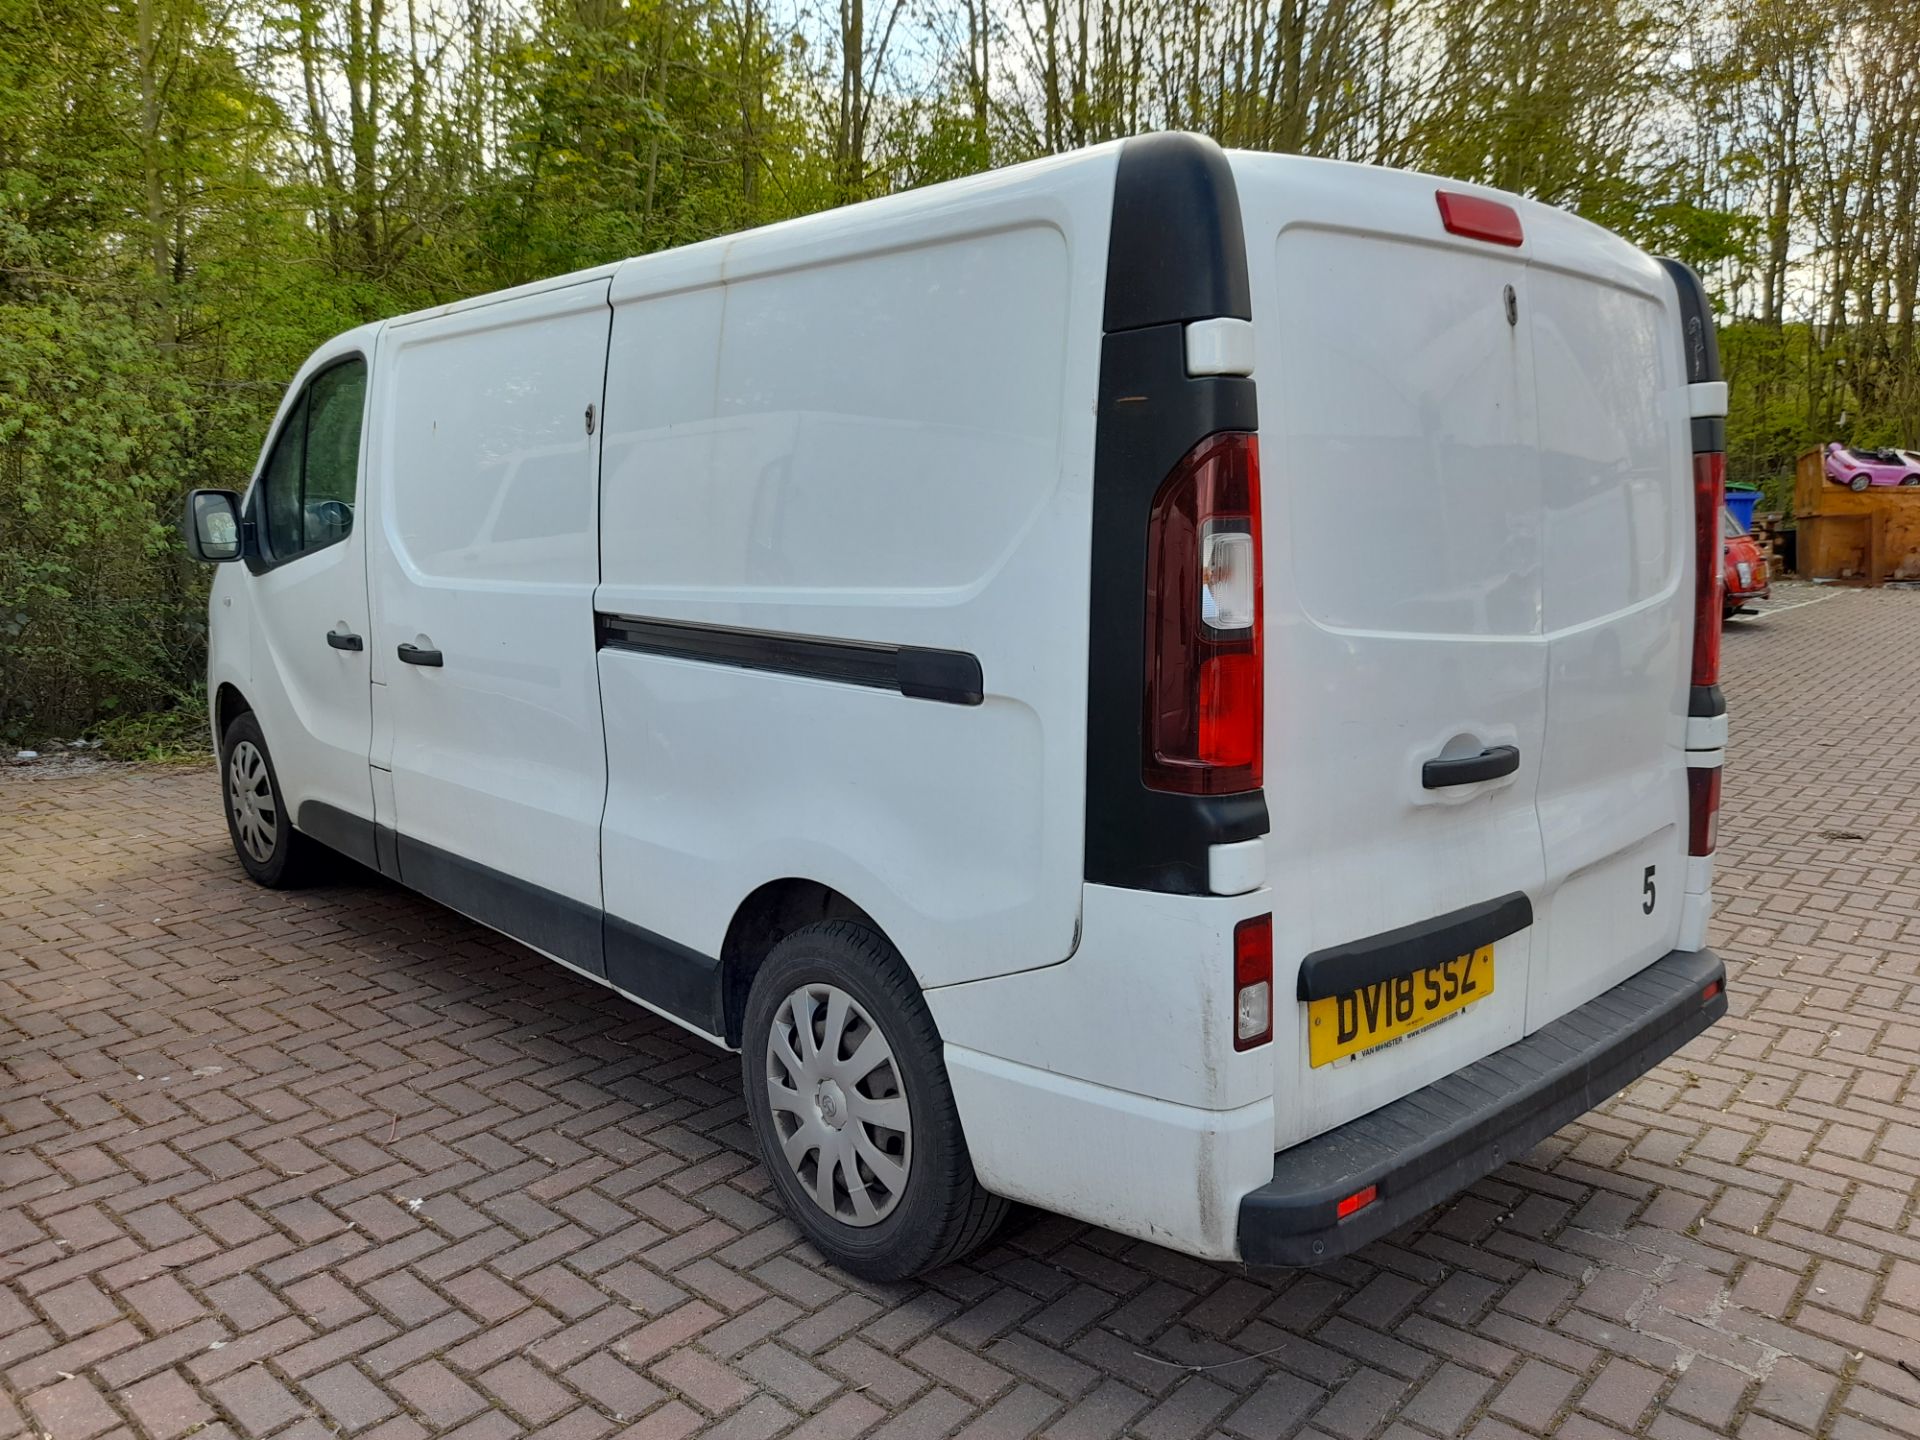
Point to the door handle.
(341, 640)
(1490, 764)
(414, 655)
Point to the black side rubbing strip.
(1342, 969)
(952, 676)
(557, 924)
(635, 961)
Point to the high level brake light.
(1205, 689)
(1478, 218)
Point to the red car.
(1746, 571)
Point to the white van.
(1176, 687)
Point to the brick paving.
(340, 1162)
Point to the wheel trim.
(250, 802)
(839, 1105)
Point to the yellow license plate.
(1343, 1025)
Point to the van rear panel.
(1476, 482)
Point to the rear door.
(1405, 589)
(1617, 516)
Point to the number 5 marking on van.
(1647, 889)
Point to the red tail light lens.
(1709, 573)
(1205, 690)
(1253, 982)
(1703, 809)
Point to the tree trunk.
(157, 246)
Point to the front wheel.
(850, 1103)
(271, 850)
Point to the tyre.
(271, 850)
(1858, 483)
(849, 1100)
(1910, 479)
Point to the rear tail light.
(1205, 690)
(1709, 575)
(1253, 982)
(1703, 809)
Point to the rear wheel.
(271, 850)
(1858, 483)
(849, 1100)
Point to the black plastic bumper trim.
(354, 836)
(951, 676)
(675, 977)
(1430, 1145)
(1342, 969)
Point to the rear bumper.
(1428, 1146)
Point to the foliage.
(173, 733)
(193, 193)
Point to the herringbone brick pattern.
(340, 1162)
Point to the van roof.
(723, 257)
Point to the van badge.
(1513, 318)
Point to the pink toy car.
(1858, 469)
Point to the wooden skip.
(1867, 537)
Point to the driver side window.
(308, 484)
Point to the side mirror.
(213, 525)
